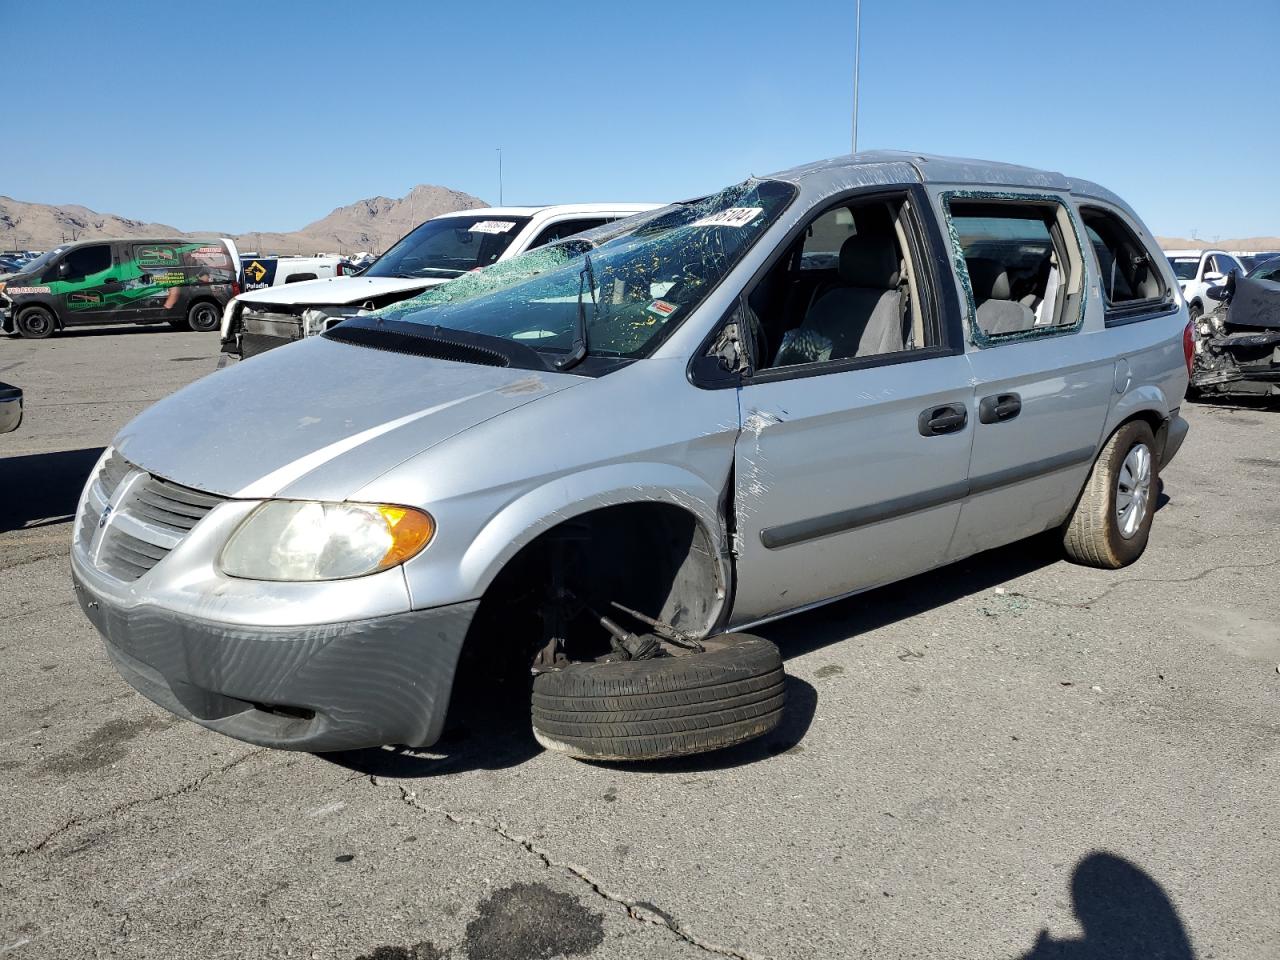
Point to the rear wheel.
(1112, 521)
(34, 323)
(665, 707)
(203, 317)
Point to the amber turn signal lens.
(411, 530)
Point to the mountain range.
(373, 224)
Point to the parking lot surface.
(1008, 757)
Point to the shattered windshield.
(1184, 268)
(647, 273)
(449, 247)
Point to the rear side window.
(1130, 282)
(1021, 265)
(567, 228)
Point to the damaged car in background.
(1237, 345)
(604, 461)
(438, 250)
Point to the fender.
(555, 501)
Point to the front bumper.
(333, 686)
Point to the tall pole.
(857, 57)
(499, 176)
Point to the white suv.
(1197, 271)
(434, 252)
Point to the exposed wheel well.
(656, 558)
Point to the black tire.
(1093, 536)
(667, 707)
(1194, 313)
(34, 323)
(203, 316)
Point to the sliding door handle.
(999, 407)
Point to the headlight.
(301, 540)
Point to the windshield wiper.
(578, 351)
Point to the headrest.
(869, 260)
(989, 279)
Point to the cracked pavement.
(957, 750)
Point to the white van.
(433, 253)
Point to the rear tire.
(203, 317)
(1112, 520)
(34, 323)
(666, 707)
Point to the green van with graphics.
(183, 282)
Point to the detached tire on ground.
(1112, 520)
(667, 707)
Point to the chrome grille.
(152, 518)
(103, 488)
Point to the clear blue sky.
(242, 116)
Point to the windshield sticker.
(491, 226)
(662, 308)
(732, 217)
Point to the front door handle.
(999, 407)
(948, 418)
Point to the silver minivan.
(604, 460)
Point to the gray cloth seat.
(997, 312)
(862, 316)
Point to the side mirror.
(1216, 293)
(1214, 277)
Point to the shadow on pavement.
(1124, 913)
(487, 729)
(42, 489)
(489, 725)
(805, 632)
(105, 331)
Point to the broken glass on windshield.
(649, 272)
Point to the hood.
(337, 291)
(1254, 303)
(319, 419)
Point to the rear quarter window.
(1129, 276)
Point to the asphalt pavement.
(1008, 757)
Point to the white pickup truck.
(436, 251)
(259, 273)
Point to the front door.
(853, 457)
(841, 484)
(86, 280)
